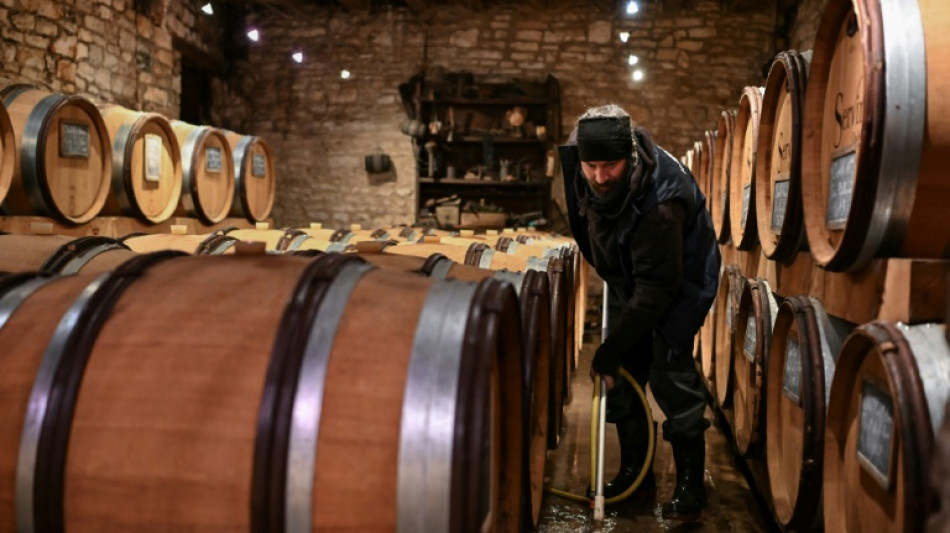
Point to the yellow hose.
(594, 417)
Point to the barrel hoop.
(240, 180)
(524, 239)
(517, 279)
(215, 245)
(132, 235)
(408, 233)
(122, 155)
(427, 444)
(305, 253)
(502, 244)
(472, 254)
(41, 464)
(289, 237)
(15, 289)
(32, 160)
(538, 263)
(308, 400)
(11, 92)
(72, 256)
(380, 235)
(225, 231)
(433, 262)
(189, 187)
(274, 416)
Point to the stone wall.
(805, 26)
(695, 61)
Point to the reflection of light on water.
(575, 519)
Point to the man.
(641, 221)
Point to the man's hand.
(608, 379)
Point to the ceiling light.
(632, 60)
(298, 57)
(632, 7)
(345, 74)
(208, 10)
(638, 75)
(624, 36)
(254, 35)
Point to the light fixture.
(632, 7)
(632, 60)
(345, 74)
(254, 35)
(297, 56)
(638, 75)
(624, 36)
(207, 9)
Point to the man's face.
(603, 176)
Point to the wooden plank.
(793, 279)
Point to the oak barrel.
(8, 152)
(275, 239)
(189, 244)
(939, 520)
(707, 167)
(64, 166)
(805, 345)
(207, 185)
(146, 165)
(255, 181)
(727, 301)
(301, 422)
(754, 319)
(722, 161)
(742, 170)
(60, 254)
(877, 133)
(887, 396)
(707, 350)
(778, 175)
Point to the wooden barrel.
(61, 255)
(274, 239)
(727, 301)
(778, 174)
(722, 161)
(8, 152)
(255, 182)
(695, 159)
(535, 304)
(207, 185)
(146, 165)
(707, 350)
(65, 161)
(190, 244)
(342, 236)
(754, 319)
(742, 170)
(877, 133)
(805, 344)
(301, 422)
(890, 386)
(708, 166)
(939, 520)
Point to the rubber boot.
(634, 441)
(689, 496)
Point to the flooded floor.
(733, 506)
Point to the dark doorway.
(195, 93)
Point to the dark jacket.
(669, 284)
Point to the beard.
(606, 189)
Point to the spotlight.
(254, 35)
(345, 74)
(632, 60)
(638, 75)
(207, 9)
(632, 7)
(624, 36)
(298, 57)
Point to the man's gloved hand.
(606, 363)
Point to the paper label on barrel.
(153, 158)
(745, 203)
(258, 166)
(213, 159)
(876, 432)
(792, 374)
(73, 140)
(840, 189)
(779, 202)
(748, 347)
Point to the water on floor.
(733, 506)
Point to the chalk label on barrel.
(840, 188)
(792, 374)
(258, 166)
(745, 203)
(213, 159)
(153, 158)
(749, 345)
(779, 202)
(73, 140)
(876, 432)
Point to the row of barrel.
(64, 157)
(842, 417)
(296, 389)
(842, 152)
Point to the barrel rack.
(115, 226)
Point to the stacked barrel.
(63, 157)
(826, 351)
